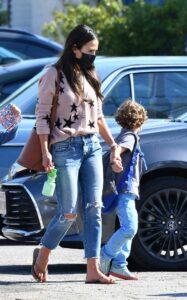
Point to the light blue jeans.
(118, 247)
(79, 163)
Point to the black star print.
(76, 117)
(68, 122)
(73, 107)
(47, 118)
(91, 124)
(58, 123)
(61, 89)
(91, 103)
(61, 77)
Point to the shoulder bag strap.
(55, 101)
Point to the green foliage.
(3, 17)
(138, 29)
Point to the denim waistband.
(81, 138)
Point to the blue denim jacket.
(6, 136)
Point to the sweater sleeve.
(46, 91)
(100, 109)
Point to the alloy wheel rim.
(163, 225)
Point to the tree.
(107, 18)
(137, 29)
(3, 16)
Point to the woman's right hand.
(47, 162)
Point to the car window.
(25, 97)
(17, 47)
(116, 96)
(176, 91)
(26, 101)
(163, 94)
(34, 51)
(9, 88)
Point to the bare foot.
(99, 277)
(41, 271)
(94, 275)
(41, 264)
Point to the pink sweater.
(74, 116)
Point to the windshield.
(7, 53)
(25, 97)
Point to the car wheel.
(161, 241)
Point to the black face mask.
(86, 60)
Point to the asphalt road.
(66, 279)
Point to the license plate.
(2, 203)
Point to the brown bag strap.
(55, 101)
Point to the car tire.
(161, 241)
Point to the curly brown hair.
(131, 114)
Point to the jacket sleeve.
(6, 136)
(46, 91)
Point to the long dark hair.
(79, 36)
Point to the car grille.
(21, 213)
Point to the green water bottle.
(49, 184)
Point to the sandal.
(33, 272)
(35, 255)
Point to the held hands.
(115, 159)
(47, 162)
(117, 166)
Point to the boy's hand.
(117, 166)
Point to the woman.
(75, 149)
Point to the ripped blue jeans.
(79, 162)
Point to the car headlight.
(14, 170)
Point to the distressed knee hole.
(96, 204)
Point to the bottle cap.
(52, 173)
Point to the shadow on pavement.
(13, 283)
(6, 242)
(175, 295)
(53, 269)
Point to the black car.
(160, 85)
(15, 75)
(28, 45)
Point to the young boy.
(130, 116)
